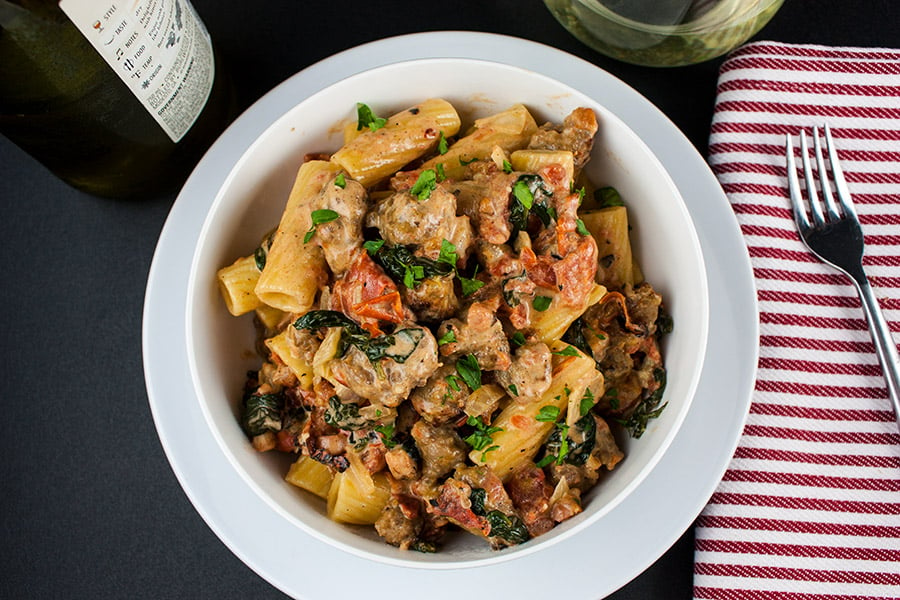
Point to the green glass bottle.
(119, 99)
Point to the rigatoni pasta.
(282, 284)
(449, 340)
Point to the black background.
(89, 507)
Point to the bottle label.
(160, 49)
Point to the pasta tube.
(310, 475)
(375, 155)
(520, 433)
(270, 317)
(281, 346)
(237, 283)
(532, 161)
(281, 284)
(510, 130)
(609, 226)
(549, 325)
(349, 504)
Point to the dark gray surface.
(89, 507)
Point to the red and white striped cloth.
(809, 508)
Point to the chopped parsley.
(448, 253)
(447, 338)
(424, 185)
(587, 402)
(469, 371)
(373, 246)
(443, 146)
(541, 303)
(366, 118)
(470, 285)
(548, 414)
(580, 228)
(481, 439)
(523, 194)
(323, 215)
(340, 181)
(453, 382)
(567, 351)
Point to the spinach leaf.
(648, 408)
(478, 497)
(344, 415)
(375, 348)
(608, 196)
(562, 448)
(262, 413)
(318, 319)
(402, 265)
(509, 528)
(411, 336)
(529, 194)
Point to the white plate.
(635, 533)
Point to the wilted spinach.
(648, 408)
(375, 348)
(262, 413)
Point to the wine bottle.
(119, 99)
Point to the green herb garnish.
(323, 215)
(366, 118)
(481, 438)
(523, 194)
(580, 228)
(424, 185)
(447, 338)
(587, 402)
(541, 303)
(470, 285)
(469, 370)
(548, 414)
(373, 246)
(340, 181)
(568, 351)
(448, 254)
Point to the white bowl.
(250, 203)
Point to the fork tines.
(831, 211)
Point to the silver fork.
(836, 238)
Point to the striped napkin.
(810, 505)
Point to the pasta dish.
(454, 333)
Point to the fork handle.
(885, 347)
